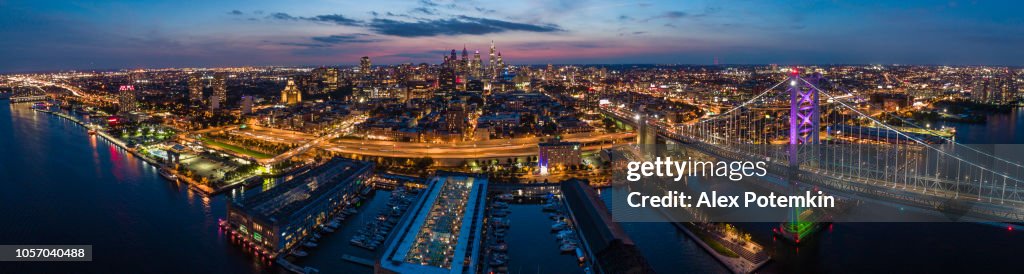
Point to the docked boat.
(328, 230)
(558, 226)
(505, 197)
(168, 175)
(299, 253)
(500, 247)
(567, 247)
(309, 244)
(92, 131)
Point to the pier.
(27, 98)
(358, 260)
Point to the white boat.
(558, 226)
(567, 247)
(309, 244)
(168, 175)
(299, 253)
(328, 229)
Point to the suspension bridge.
(819, 134)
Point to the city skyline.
(159, 34)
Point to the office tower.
(195, 88)
(476, 68)
(126, 99)
(500, 66)
(214, 103)
(464, 65)
(246, 104)
(291, 94)
(446, 78)
(364, 65)
(491, 62)
(220, 88)
(331, 77)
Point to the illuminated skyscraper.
(464, 64)
(195, 88)
(364, 66)
(476, 68)
(446, 77)
(220, 88)
(291, 94)
(126, 99)
(331, 78)
(491, 62)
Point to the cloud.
(460, 25)
(282, 16)
(425, 10)
(336, 19)
(235, 12)
(345, 38)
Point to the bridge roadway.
(486, 149)
(939, 198)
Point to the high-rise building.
(331, 79)
(220, 88)
(246, 104)
(291, 94)
(464, 64)
(446, 77)
(126, 99)
(491, 62)
(364, 66)
(476, 67)
(195, 88)
(214, 103)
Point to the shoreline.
(206, 191)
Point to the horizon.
(51, 36)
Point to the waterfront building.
(126, 99)
(605, 242)
(220, 88)
(558, 154)
(291, 95)
(277, 219)
(442, 231)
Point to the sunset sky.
(50, 35)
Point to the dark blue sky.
(49, 35)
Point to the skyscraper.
(464, 64)
(291, 94)
(491, 62)
(220, 88)
(364, 66)
(446, 78)
(476, 68)
(195, 88)
(331, 78)
(246, 104)
(126, 99)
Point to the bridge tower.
(804, 131)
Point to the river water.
(63, 186)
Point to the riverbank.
(205, 190)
